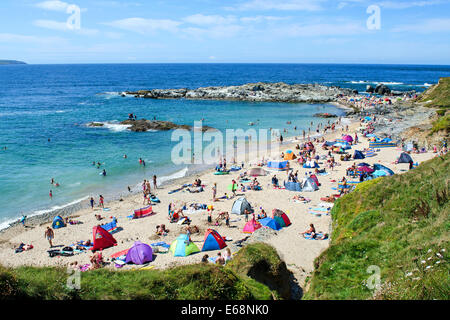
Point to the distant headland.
(3, 62)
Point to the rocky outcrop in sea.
(142, 125)
(277, 92)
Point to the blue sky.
(280, 31)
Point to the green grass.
(441, 124)
(391, 223)
(439, 94)
(261, 263)
(197, 282)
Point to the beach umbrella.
(363, 164)
(347, 138)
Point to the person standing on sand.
(92, 203)
(154, 182)
(233, 187)
(49, 235)
(101, 200)
(214, 189)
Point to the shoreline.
(70, 209)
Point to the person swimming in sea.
(104, 172)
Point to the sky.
(226, 31)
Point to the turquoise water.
(42, 102)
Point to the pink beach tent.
(251, 226)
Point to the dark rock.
(382, 89)
(325, 115)
(143, 125)
(370, 89)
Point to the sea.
(45, 109)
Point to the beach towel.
(308, 236)
(160, 244)
(120, 253)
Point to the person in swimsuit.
(92, 203)
(101, 202)
(49, 235)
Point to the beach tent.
(213, 241)
(240, 205)
(293, 186)
(368, 118)
(251, 226)
(58, 222)
(270, 223)
(343, 145)
(347, 138)
(377, 167)
(102, 239)
(143, 212)
(139, 253)
(289, 155)
(111, 226)
(280, 221)
(329, 143)
(405, 158)
(365, 169)
(309, 185)
(254, 172)
(182, 246)
(282, 215)
(358, 155)
(278, 165)
(379, 173)
(310, 164)
(363, 164)
(314, 177)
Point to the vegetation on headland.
(193, 282)
(399, 224)
(438, 96)
(4, 62)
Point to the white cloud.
(259, 19)
(219, 31)
(142, 26)
(19, 38)
(407, 4)
(427, 26)
(200, 19)
(320, 29)
(63, 26)
(294, 5)
(53, 5)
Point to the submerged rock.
(325, 115)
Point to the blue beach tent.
(358, 155)
(271, 223)
(58, 222)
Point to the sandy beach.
(297, 252)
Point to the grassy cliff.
(196, 282)
(399, 226)
(438, 96)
